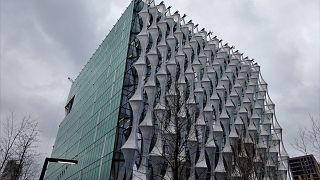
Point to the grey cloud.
(69, 23)
(44, 42)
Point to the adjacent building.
(304, 168)
(161, 99)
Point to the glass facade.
(88, 131)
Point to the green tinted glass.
(88, 131)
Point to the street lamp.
(56, 160)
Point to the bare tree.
(181, 141)
(245, 162)
(18, 144)
(308, 140)
(301, 142)
(173, 124)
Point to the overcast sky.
(43, 42)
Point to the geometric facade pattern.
(161, 99)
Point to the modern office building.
(161, 99)
(304, 168)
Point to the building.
(304, 168)
(162, 99)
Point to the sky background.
(43, 42)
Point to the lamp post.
(56, 160)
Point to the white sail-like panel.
(207, 95)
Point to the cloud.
(43, 42)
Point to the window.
(68, 107)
